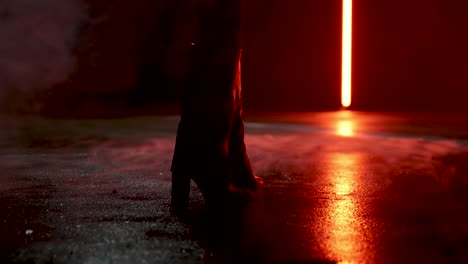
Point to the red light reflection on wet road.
(343, 235)
(345, 124)
(345, 128)
(342, 230)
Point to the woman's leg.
(210, 139)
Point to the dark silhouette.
(210, 146)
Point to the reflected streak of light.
(346, 53)
(345, 128)
(344, 234)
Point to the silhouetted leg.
(210, 103)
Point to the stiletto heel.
(180, 192)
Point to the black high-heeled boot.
(217, 193)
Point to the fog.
(36, 44)
(288, 157)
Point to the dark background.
(409, 55)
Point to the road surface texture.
(341, 187)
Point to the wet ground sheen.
(346, 187)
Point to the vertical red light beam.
(346, 53)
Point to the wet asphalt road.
(341, 187)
